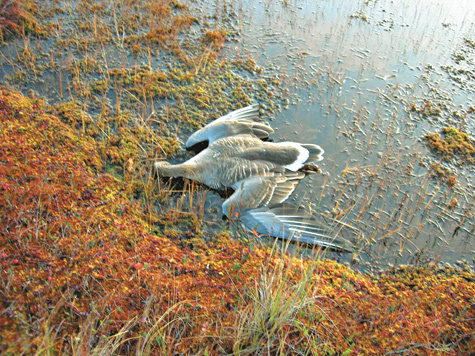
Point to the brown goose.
(238, 122)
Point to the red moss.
(16, 16)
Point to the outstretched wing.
(238, 122)
(291, 222)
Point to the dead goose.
(257, 202)
(232, 159)
(238, 122)
(262, 174)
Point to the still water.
(350, 73)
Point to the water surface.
(351, 70)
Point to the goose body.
(238, 122)
(232, 159)
(261, 173)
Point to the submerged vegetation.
(462, 71)
(95, 258)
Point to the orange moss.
(451, 181)
(426, 109)
(75, 247)
(184, 22)
(216, 38)
(162, 22)
(453, 203)
(444, 174)
(454, 144)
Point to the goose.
(238, 122)
(230, 160)
(262, 174)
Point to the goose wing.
(259, 191)
(235, 123)
(291, 222)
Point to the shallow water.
(351, 70)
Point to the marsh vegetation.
(98, 257)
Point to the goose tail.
(315, 152)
